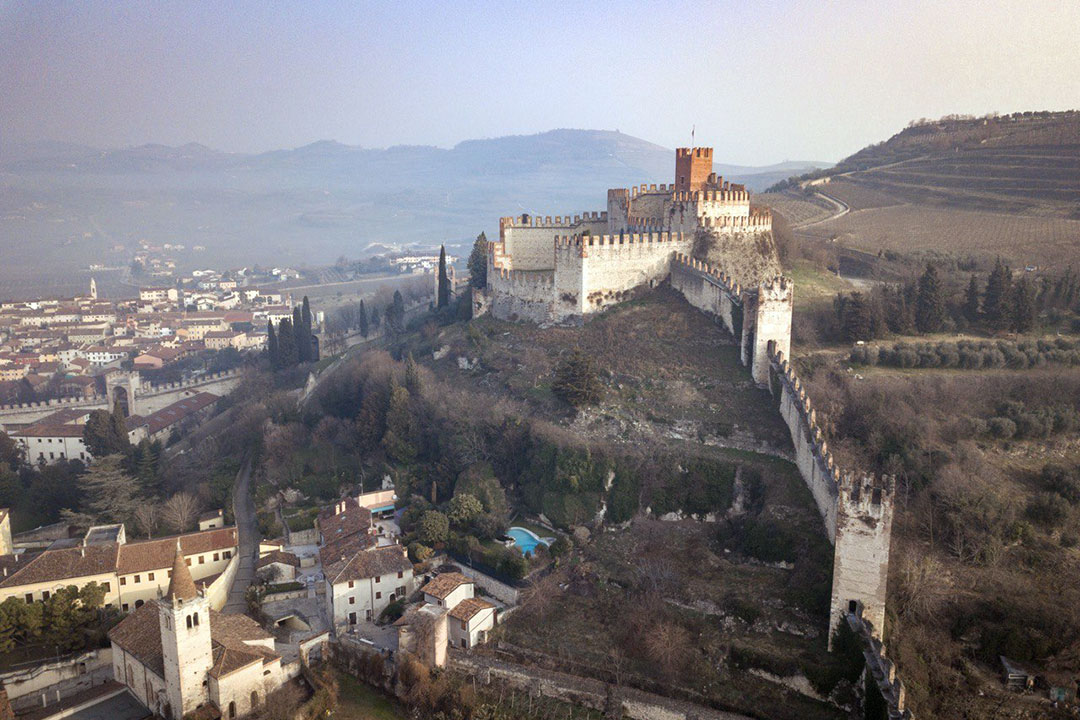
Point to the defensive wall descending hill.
(148, 398)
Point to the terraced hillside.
(967, 187)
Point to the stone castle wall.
(526, 241)
(857, 509)
(521, 295)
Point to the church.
(180, 657)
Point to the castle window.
(150, 577)
(876, 497)
(189, 622)
(196, 616)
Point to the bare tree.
(179, 511)
(146, 518)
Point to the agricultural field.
(795, 207)
(1048, 243)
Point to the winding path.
(248, 538)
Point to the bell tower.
(186, 650)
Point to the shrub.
(433, 527)
(577, 381)
(1063, 481)
(1047, 509)
(419, 552)
(1003, 428)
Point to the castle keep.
(564, 269)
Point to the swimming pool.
(526, 540)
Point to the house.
(470, 618)
(161, 424)
(181, 658)
(361, 580)
(379, 502)
(132, 573)
(212, 519)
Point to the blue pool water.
(525, 540)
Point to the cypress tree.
(375, 319)
(272, 346)
(363, 320)
(298, 335)
(971, 300)
(287, 344)
(996, 297)
(412, 376)
(443, 297)
(309, 337)
(930, 302)
(1023, 306)
(478, 263)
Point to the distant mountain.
(309, 205)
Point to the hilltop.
(971, 188)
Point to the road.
(244, 512)
(841, 209)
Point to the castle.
(562, 270)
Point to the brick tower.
(693, 166)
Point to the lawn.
(359, 701)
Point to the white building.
(178, 656)
(470, 618)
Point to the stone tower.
(93, 289)
(864, 516)
(693, 166)
(186, 651)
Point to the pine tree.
(971, 300)
(1023, 306)
(930, 302)
(996, 297)
(298, 335)
(287, 344)
(272, 346)
(363, 320)
(108, 493)
(478, 263)
(443, 297)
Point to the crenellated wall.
(521, 295)
(526, 242)
(857, 509)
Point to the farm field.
(1050, 243)
(796, 209)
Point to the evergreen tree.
(272, 346)
(395, 314)
(443, 296)
(108, 493)
(996, 297)
(363, 320)
(412, 376)
(146, 465)
(398, 439)
(287, 344)
(375, 319)
(302, 352)
(856, 319)
(930, 302)
(105, 433)
(478, 263)
(309, 340)
(1023, 306)
(971, 300)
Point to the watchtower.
(693, 166)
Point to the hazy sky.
(762, 81)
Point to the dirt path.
(244, 511)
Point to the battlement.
(776, 289)
(537, 221)
(698, 152)
(727, 284)
(531, 278)
(734, 194)
(651, 189)
(581, 240)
